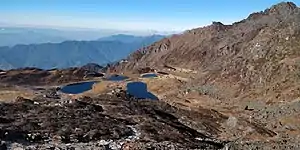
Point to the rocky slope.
(107, 122)
(261, 50)
(248, 70)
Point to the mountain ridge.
(125, 38)
(11, 34)
(69, 53)
(247, 54)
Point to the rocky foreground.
(106, 122)
(119, 121)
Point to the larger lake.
(149, 75)
(77, 88)
(139, 91)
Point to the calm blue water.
(139, 90)
(150, 75)
(77, 88)
(117, 78)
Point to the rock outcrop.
(36, 76)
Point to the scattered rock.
(20, 99)
(3, 145)
(52, 93)
(88, 120)
(145, 70)
(249, 108)
(232, 122)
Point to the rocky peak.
(217, 23)
(219, 26)
(286, 12)
(283, 8)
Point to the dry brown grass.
(293, 120)
(104, 87)
(10, 95)
(101, 87)
(162, 86)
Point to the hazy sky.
(161, 15)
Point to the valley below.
(40, 115)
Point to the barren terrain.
(219, 87)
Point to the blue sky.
(161, 15)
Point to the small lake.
(77, 88)
(149, 75)
(116, 78)
(139, 91)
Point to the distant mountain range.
(73, 53)
(11, 36)
(128, 38)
